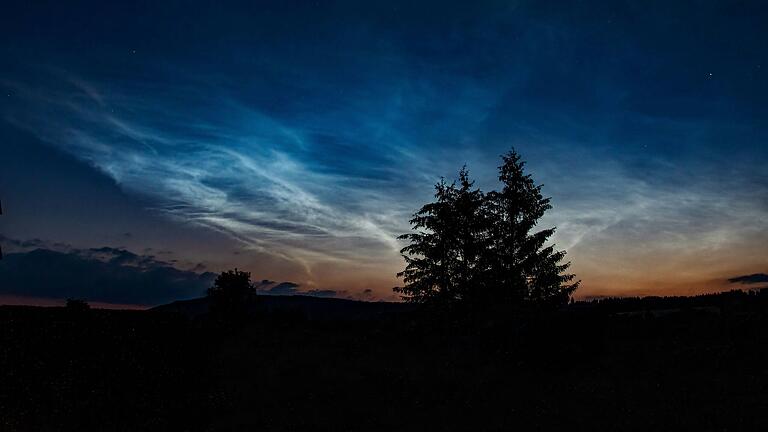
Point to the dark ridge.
(312, 308)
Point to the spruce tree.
(481, 250)
(524, 269)
(428, 275)
(471, 238)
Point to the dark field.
(588, 367)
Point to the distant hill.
(313, 308)
(323, 308)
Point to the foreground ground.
(576, 370)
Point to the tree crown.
(471, 247)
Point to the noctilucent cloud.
(294, 139)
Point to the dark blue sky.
(294, 139)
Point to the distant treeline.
(733, 300)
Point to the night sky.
(144, 145)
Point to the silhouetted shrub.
(231, 296)
(77, 305)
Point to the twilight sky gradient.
(294, 139)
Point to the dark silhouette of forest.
(617, 364)
(489, 338)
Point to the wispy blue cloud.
(259, 180)
(313, 145)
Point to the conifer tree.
(431, 252)
(471, 238)
(481, 249)
(524, 268)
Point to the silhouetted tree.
(77, 305)
(231, 294)
(444, 258)
(470, 238)
(431, 253)
(523, 266)
(480, 249)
